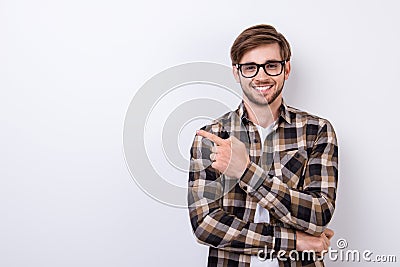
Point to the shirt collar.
(284, 113)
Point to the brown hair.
(258, 35)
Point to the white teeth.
(263, 87)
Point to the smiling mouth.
(263, 88)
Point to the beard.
(258, 98)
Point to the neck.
(263, 115)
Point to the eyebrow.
(268, 61)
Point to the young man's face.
(262, 89)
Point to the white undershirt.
(262, 214)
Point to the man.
(263, 178)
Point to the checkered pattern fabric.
(295, 181)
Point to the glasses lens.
(273, 68)
(249, 70)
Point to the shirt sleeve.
(311, 208)
(214, 226)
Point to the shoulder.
(221, 126)
(201, 146)
(299, 116)
(315, 126)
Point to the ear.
(235, 72)
(288, 67)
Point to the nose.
(261, 75)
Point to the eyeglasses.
(271, 68)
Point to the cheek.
(279, 81)
(245, 82)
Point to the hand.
(329, 233)
(306, 241)
(229, 156)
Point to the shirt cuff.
(252, 178)
(284, 240)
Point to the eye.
(272, 66)
(249, 67)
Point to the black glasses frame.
(282, 62)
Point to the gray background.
(69, 69)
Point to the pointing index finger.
(216, 139)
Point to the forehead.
(262, 53)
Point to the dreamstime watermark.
(341, 254)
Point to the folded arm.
(213, 225)
(310, 209)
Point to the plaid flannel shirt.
(298, 188)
